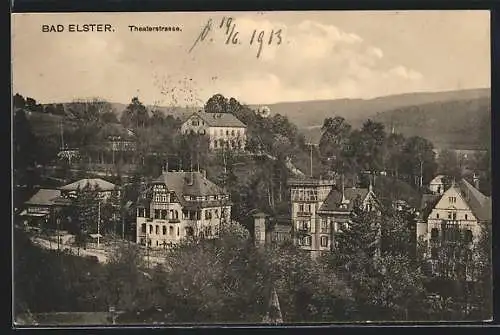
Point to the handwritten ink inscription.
(258, 38)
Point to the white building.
(456, 215)
(178, 205)
(436, 185)
(224, 130)
(105, 187)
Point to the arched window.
(171, 230)
(232, 132)
(434, 234)
(468, 236)
(164, 230)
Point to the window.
(171, 230)
(468, 236)
(450, 232)
(156, 243)
(452, 200)
(157, 214)
(157, 229)
(437, 215)
(304, 225)
(207, 214)
(434, 234)
(301, 207)
(143, 228)
(164, 230)
(195, 122)
(324, 226)
(215, 144)
(142, 241)
(454, 215)
(217, 213)
(178, 231)
(449, 215)
(232, 132)
(466, 216)
(227, 132)
(151, 229)
(221, 133)
(434, 253)
(307, 240)
(324, 241)
(468, 255)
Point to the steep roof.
(102, 184)
(334, 199)
(479, 203)
(427, 204)
(220, 119)
(187, 183)
(437, 180)
(44, 197)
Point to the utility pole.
(311, 157)
(98, 221)
(421, 174)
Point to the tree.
(217, 104)
(418, 152)
(373, 137)
(85, 205)
(384, 285)
(135, 115)
(18, 101)
(308, 290)
(393, 152)
(334, 140)
(448, 165)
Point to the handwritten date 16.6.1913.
(228, 26)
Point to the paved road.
(102, 255)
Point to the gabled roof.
(219, 119)
(102, 184)
(427, 204)
(334, 199)
(437, 180)
(44, 197)
(478, 202)
(189, 183)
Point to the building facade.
(320, 208)
(224, 130)
(43, 208)
(105, 188)
(179, 205)
(455, 216)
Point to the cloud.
(313, 61)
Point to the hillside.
(453, 124)
(312, 113)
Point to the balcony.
(304, 214)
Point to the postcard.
(251, 168)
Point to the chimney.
(343, 191)
(475, 179)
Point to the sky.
(322, 55)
